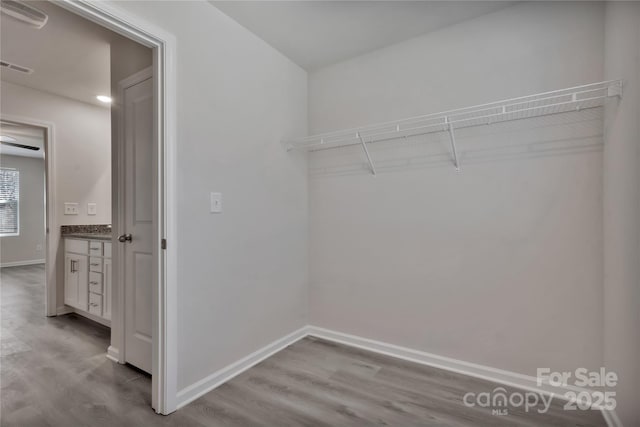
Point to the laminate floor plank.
(54, 373)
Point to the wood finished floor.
(53, 372)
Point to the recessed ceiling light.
(105, 99)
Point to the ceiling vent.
(15, 67)
(24, 13)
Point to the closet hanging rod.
(541, 104)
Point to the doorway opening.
(22, 194)
(93, 281)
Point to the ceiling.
(26, 135)
(69, 55)
(314, 34)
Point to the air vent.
(15, 67)
(24, 13)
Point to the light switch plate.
(216, 202)
(92, 209)
(71, 209)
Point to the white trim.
(199, 388)
(113, 354)
(454, 365)
(64, 309)
(129, 81)
(500, 376)
(164, 313)
(50, 302)
(611, 418)
(20, 263)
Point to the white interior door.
(138, 222)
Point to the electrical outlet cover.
(71, 209)
(92, 209)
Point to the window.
(9, 202)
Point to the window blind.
(9, 200)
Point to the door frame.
(50, 302)
(164, 311)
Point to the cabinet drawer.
(107, 250)
(95, 304)
(95, 264)
(95, 282)
(77, 246)
(95, 248)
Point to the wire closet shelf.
(555, 102)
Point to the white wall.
(499, 264)
(242, 274)
(28, 246)
(622, 208)
(81, 152)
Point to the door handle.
(124, 238)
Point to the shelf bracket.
(366, 152)
(453, 143)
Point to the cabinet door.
(71, 280)
(106, 294)
(76, 281)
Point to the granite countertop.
(94, 236)
(95, 231)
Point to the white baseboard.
(500, 376)
(64, 309)
(113, 354)
(611, 417)
(509, 378)
(21, 263)
(195, 390)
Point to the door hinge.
(163, 243)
